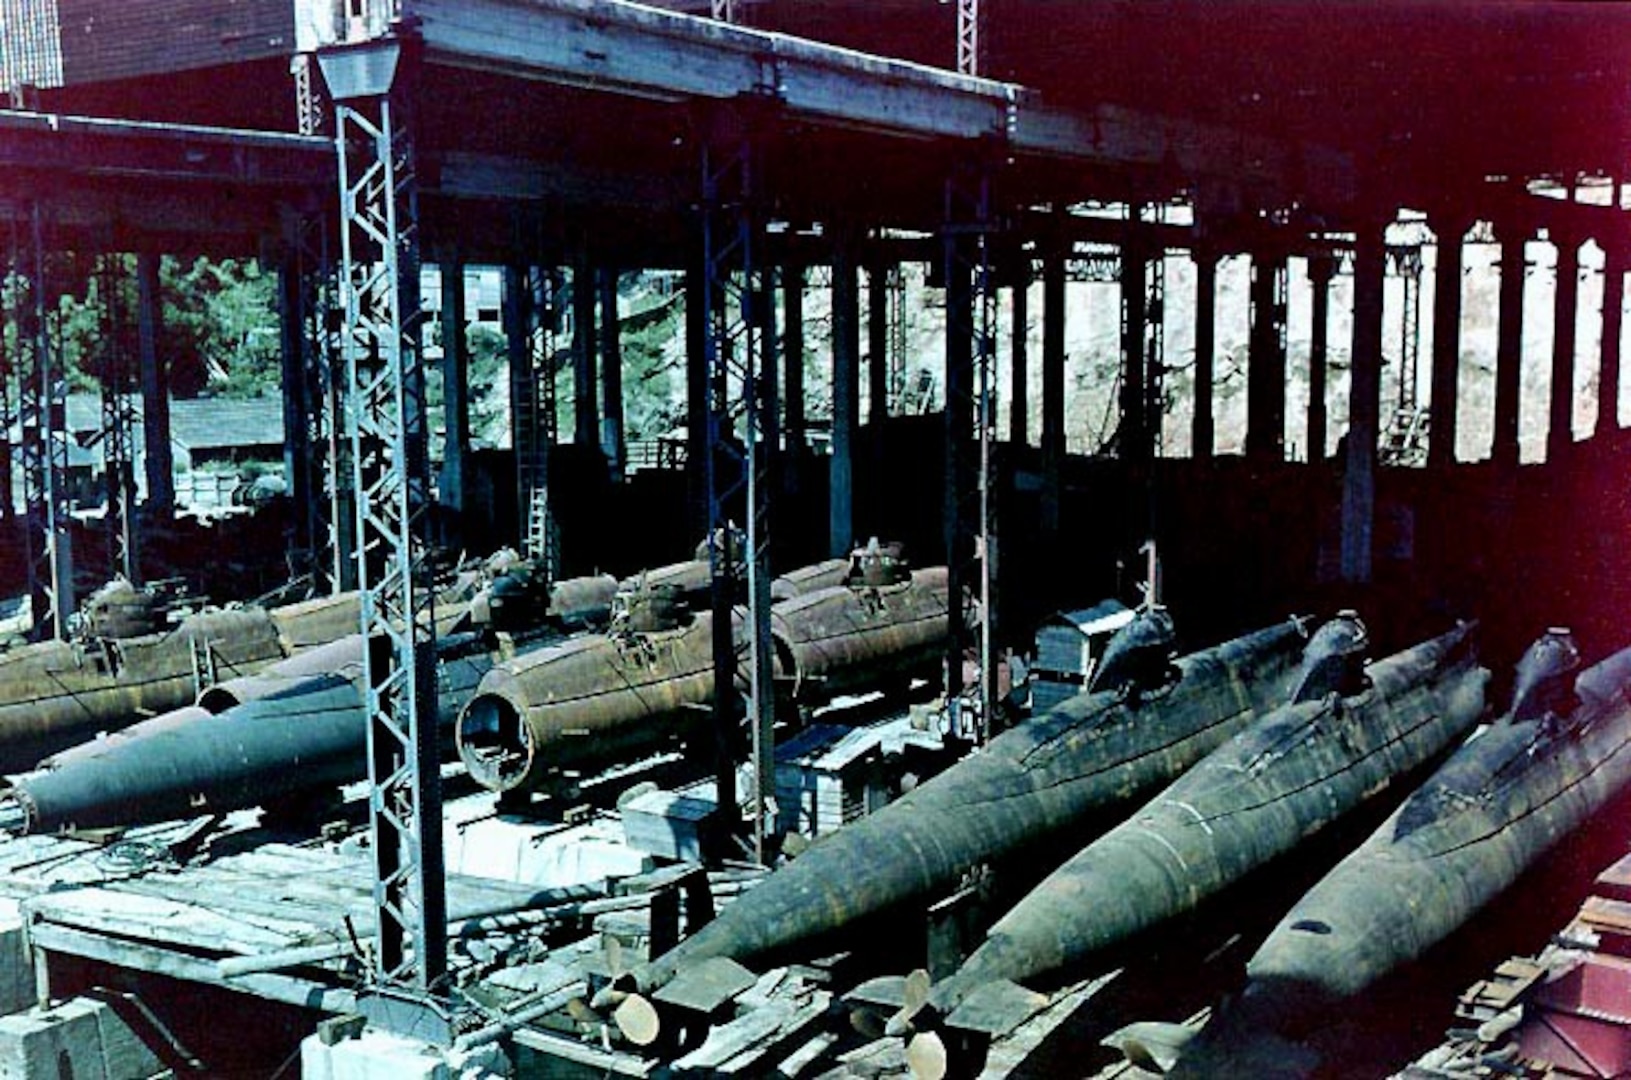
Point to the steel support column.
(793, 359)
(1364, 406)
(42, 405)
(1019, 376)
(529, 297)
(1444, 418)
(1053, 388)
(380, 272)
(118, 381)
(1509, 344)
(742, 377)
(585, 404)
(877, 337)
(1608, 379)
(455, 478)
(157, 457)
(1206, 303)
(971, 542)
(1560, 433)
(611, 373)
(846, 372)
(1133, 439)
(1266, 371)
(1321, 269)
(696, 393)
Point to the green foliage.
(220, 327)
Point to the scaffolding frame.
(971, 362)
(739, 353)
(385, 383)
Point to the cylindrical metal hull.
(56, 694)
(306, 737)
(594, 699)
(1505, 798)
(1257, 797)
(1030, 784)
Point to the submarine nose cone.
(1544, 675)
(1306, 965)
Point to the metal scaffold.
(321, 475)
(118, 379)
(530, 296)
(740, 356)
(971, 360)
(385, 381)
(42, 408)
(970, 29)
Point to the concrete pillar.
(158, 458)
(1509, 345)
(1321, 268)
(1266, 372)
(1364, 406)
(585, 407)
(877, 338)
(793, 362)
(611, 374)
(1608, 380)
(1019, 384)
(1442, 423)
(846, 373)
(1560, 433)
(1206, 302)
(455, 477)
(1053, 387)
(1134, 443)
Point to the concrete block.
(16, 966)
(375, 1055)
(79, 1039)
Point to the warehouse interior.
(985, 314)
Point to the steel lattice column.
(158, 459)
(380, 272)
(42, 406)
(118, 420)
(970, 31)
(530, 292)
(739, 350)
(971, 360)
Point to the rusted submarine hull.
(1256, 798)
(1029, 784)
(593, 699)
(1501, 802)
(56, 694)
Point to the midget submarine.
(1144, 720)
(1348, 732)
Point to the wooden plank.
(151, 918)
(142, 957)
(610, 1061)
